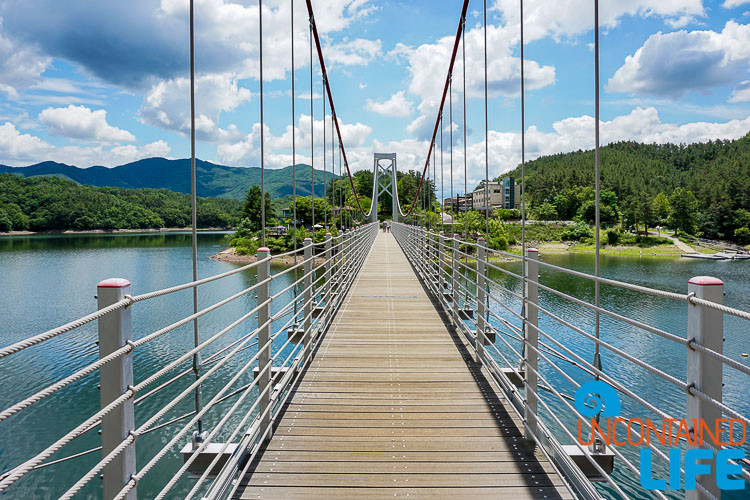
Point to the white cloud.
(357, 52)
(21, 65)
(397, 105)
(245, 150)
(23, 149)
(362, 85)
(428, 63)
(570, 134)
(731, 4)
(574, 17)
(17, 146)
(167, 104)
(80, 122)
(741, 92)
(673, 63)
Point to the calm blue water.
(48, 280)
(668, 274)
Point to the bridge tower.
(385, 181)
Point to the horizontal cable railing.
(537, 357)
(317, 284)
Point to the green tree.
(252, 209)
(305, 213)
(5, 224)
(546, 211)
(742, 235)
(660, 207)
(683, 210)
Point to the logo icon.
(597, 398)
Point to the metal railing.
(537, 369)
(328, 270)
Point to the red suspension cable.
(330, 101)
(442, 102)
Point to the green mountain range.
(160, 173)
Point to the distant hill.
(160, 173)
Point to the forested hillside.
(161, 173)
(52, 203)
(714, 177)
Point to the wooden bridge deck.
(393, 406)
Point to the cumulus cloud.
(245, 150)
(134, 44)
(569, 134)
(731, 4)
(167, 104)
(21, 65)
(17, 148)
(428, 63)
(358, 52)
(80, 122)
(573, 17)
(741, 92)
(396, 105)
(673, 63)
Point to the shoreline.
(114, 231)
(230, 255)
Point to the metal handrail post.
(328, 290)
(704, 373)
(531, 341)
(115, 332)
(481, 326)
(264, 334)
(307, 298)
(454, 281)
(441, 262)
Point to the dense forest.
(701, 189)
(52, 203)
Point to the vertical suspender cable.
(433, 188)
(262, 165)
(312, 131)
(193, 189)
(294, 169)
(450, 130)
(486, 138)
(466, 193)
(442, 174)
(333, 172)
(523, 182)
(325, 171)
(597, 359)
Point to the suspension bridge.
(393, 363)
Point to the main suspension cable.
(314, 34)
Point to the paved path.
(392, 406)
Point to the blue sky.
(105, 83)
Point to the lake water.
(46, 281)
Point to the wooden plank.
(313, 493)
(413, 480)
(392, 405)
